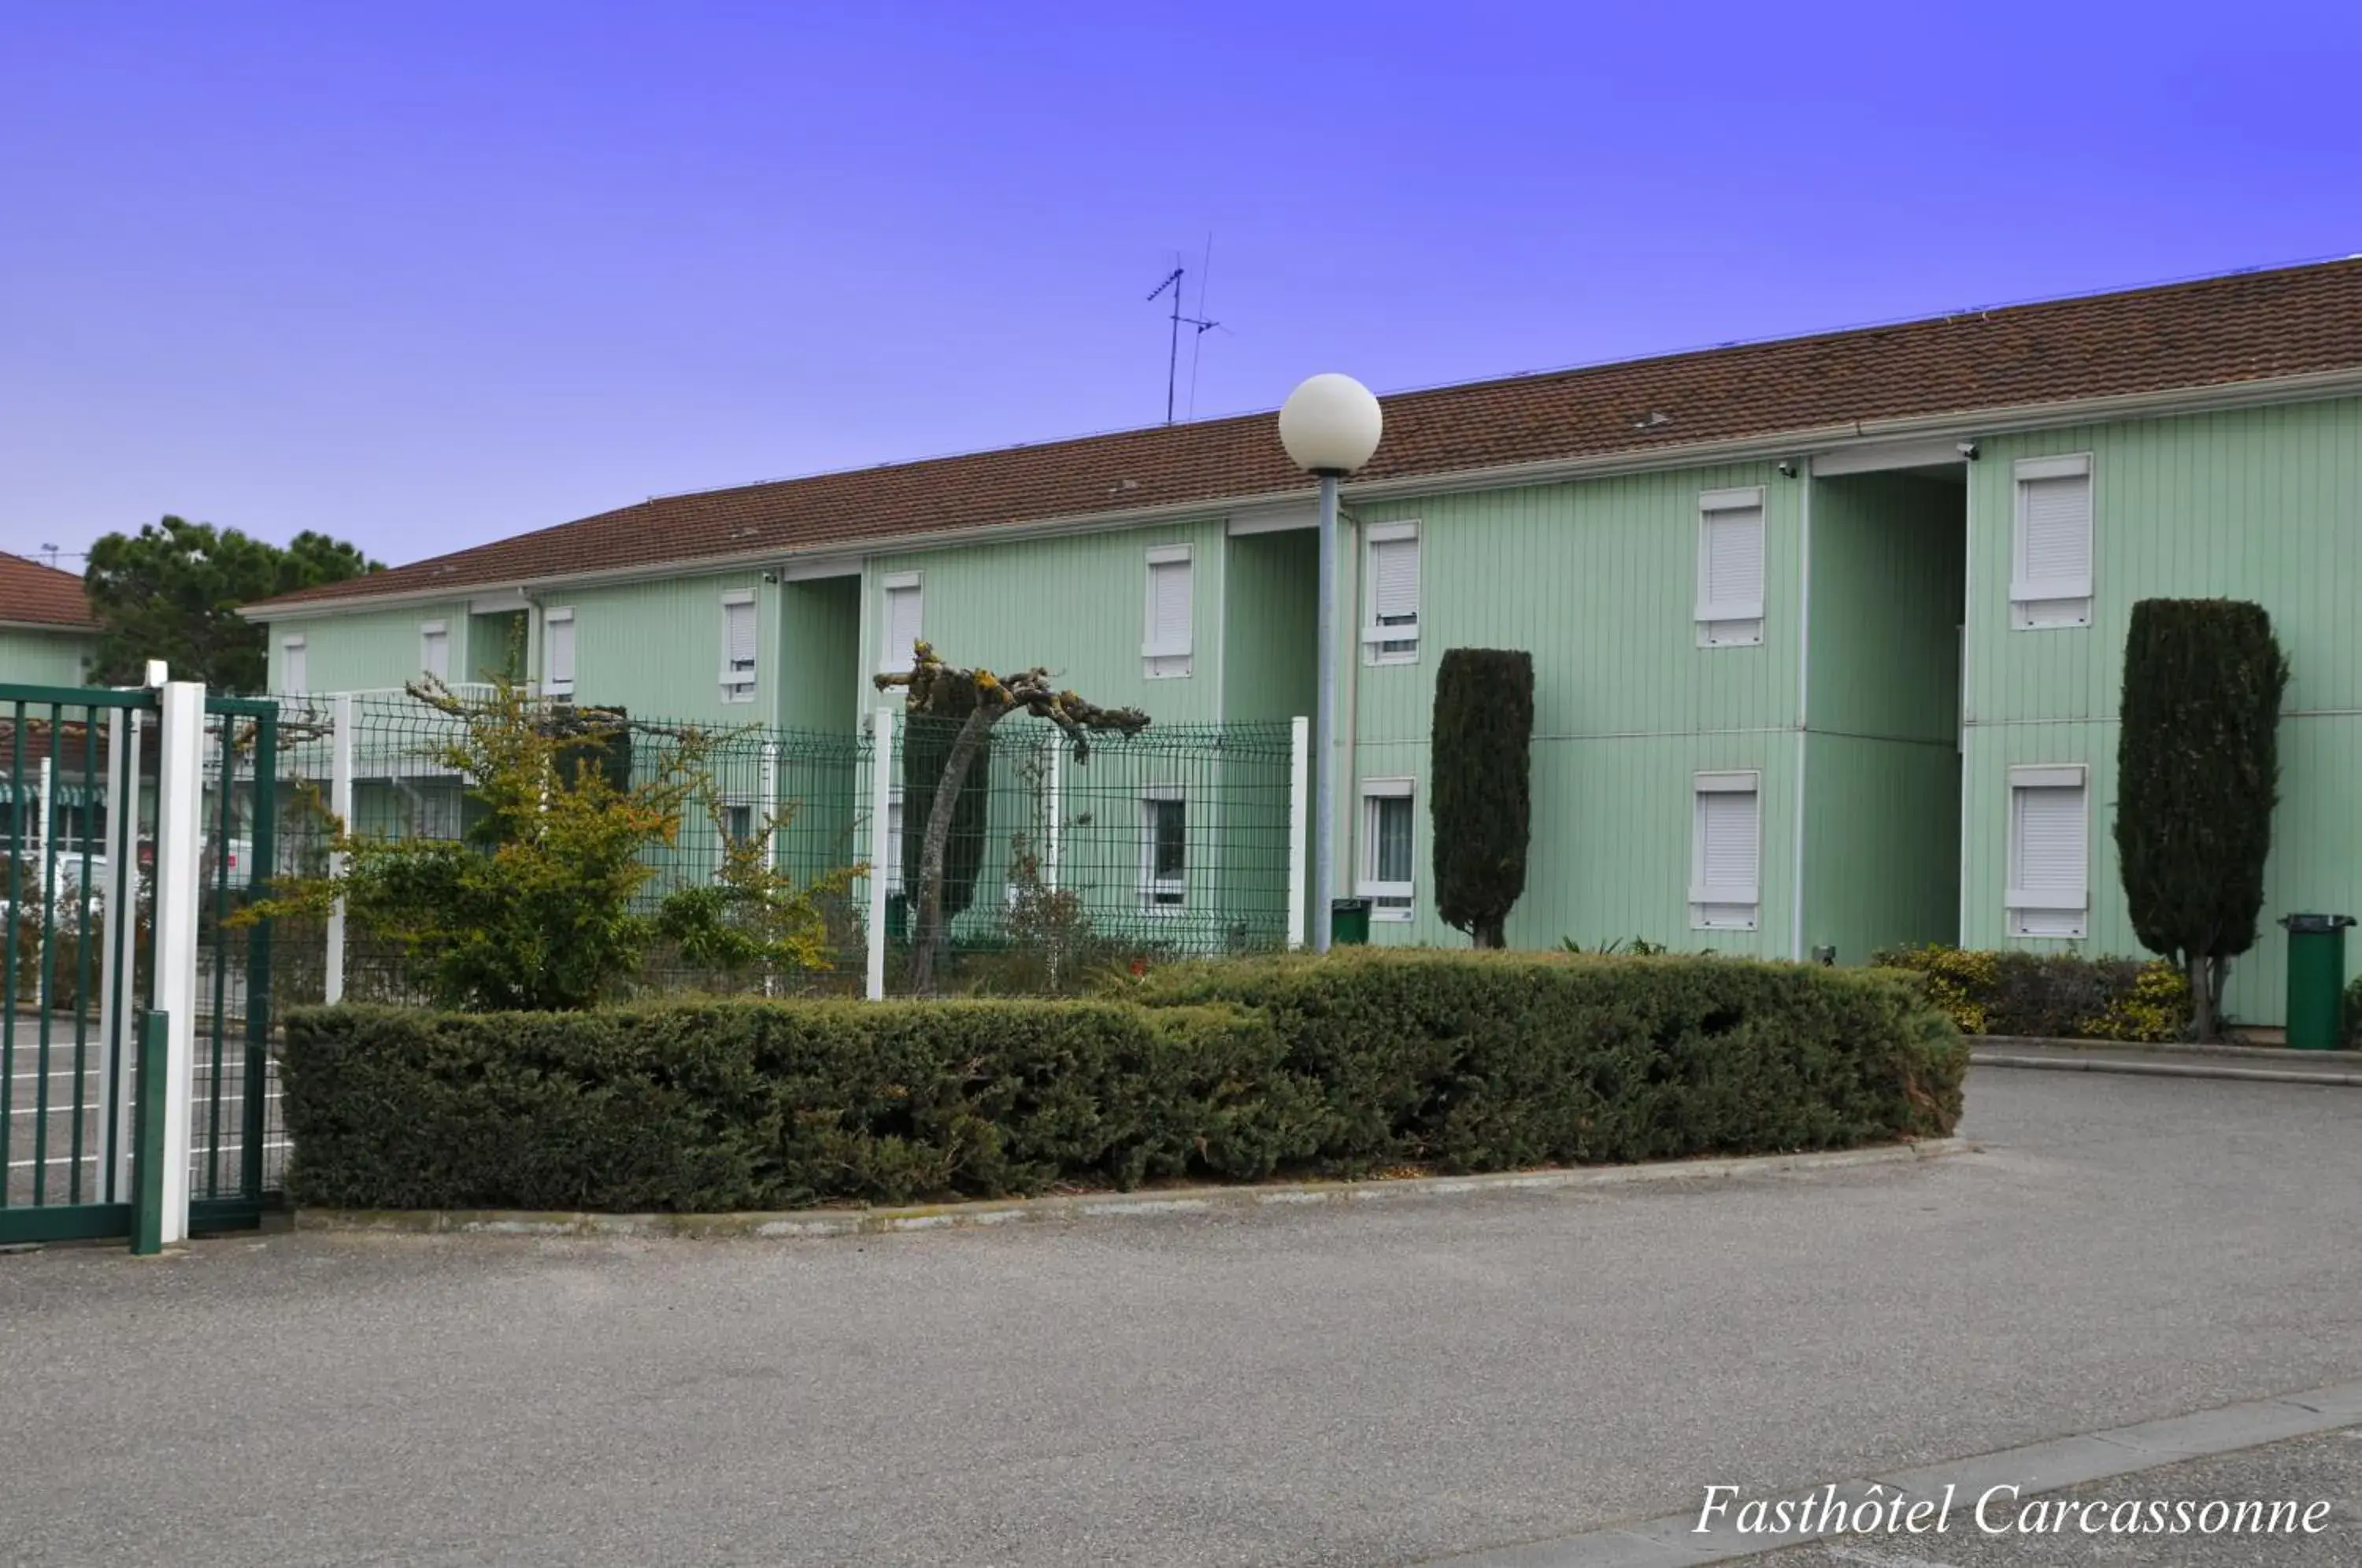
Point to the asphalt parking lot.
(1342, 1387)
(2324, 1470)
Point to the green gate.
(78, 793)
(234, 1129)
(70, 960)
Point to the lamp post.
(1329, 425)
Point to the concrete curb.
(1674, 1541)
(2103, 1063)
(1098, 1205)
(2266, 1055)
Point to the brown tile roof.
(37, 595)
(2245, 326)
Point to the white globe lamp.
(1330, 425)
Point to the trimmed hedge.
(1233, 1069)
(726, 1106)
(1492, 1061)
(2058, 996)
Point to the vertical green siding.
(496, 648)
(367, 650)
(1077, 605)
(2259, 504)
(1271, 604)
(1271, 585)
(45, 658)
(1597, 579)
(1882, 844)
(819, 654)
(655, 648)
(1881, 768)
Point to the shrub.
(2197, 775)
(536, 907)
(1483, 730)
(2061, 996)
(1225, 1069)
(1479, 1061)
(750, 1105)
(2354, 1013)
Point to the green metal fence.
(237, 1145)
(69, 779)
(1171, 842)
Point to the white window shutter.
(1168, 644)
(741, 647)
(557, 655)
(1726, 851)
(1730, 568)
(2050, 581)
(905, 609)
(2049, 852)
(297, 676)
(1391, 633)
(1393, 578)
(434, 649)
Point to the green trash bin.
(2316, 980)
(1348, 923)
(898, 918)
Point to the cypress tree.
(1480, 792)
(2197, 777)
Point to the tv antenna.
(1199, 324)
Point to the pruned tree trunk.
(939, 689)
(927, 931)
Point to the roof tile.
(2216, 331)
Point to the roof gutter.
(2311, 386)
(64, 628)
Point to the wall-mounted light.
(1786, 468)
(1967, 449)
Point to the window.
(1724, 831)
(738, 821)
(2050, 581)
(1730, 568)
(904, 612)
(1165, 649)
(1391, 634)
(1164, 850)
(296, 674)
(739, 646)
(434, 649)
(1387, 847)
(2048, 838)
(557, 652)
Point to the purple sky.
(422, 275)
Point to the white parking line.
(63, 1105)
(196, 1161)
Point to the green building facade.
(1808, 685)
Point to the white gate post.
(881, 782)
(180, 834)
(340, 806)
(1054, 831)
(1299, 755)
(768, 784)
